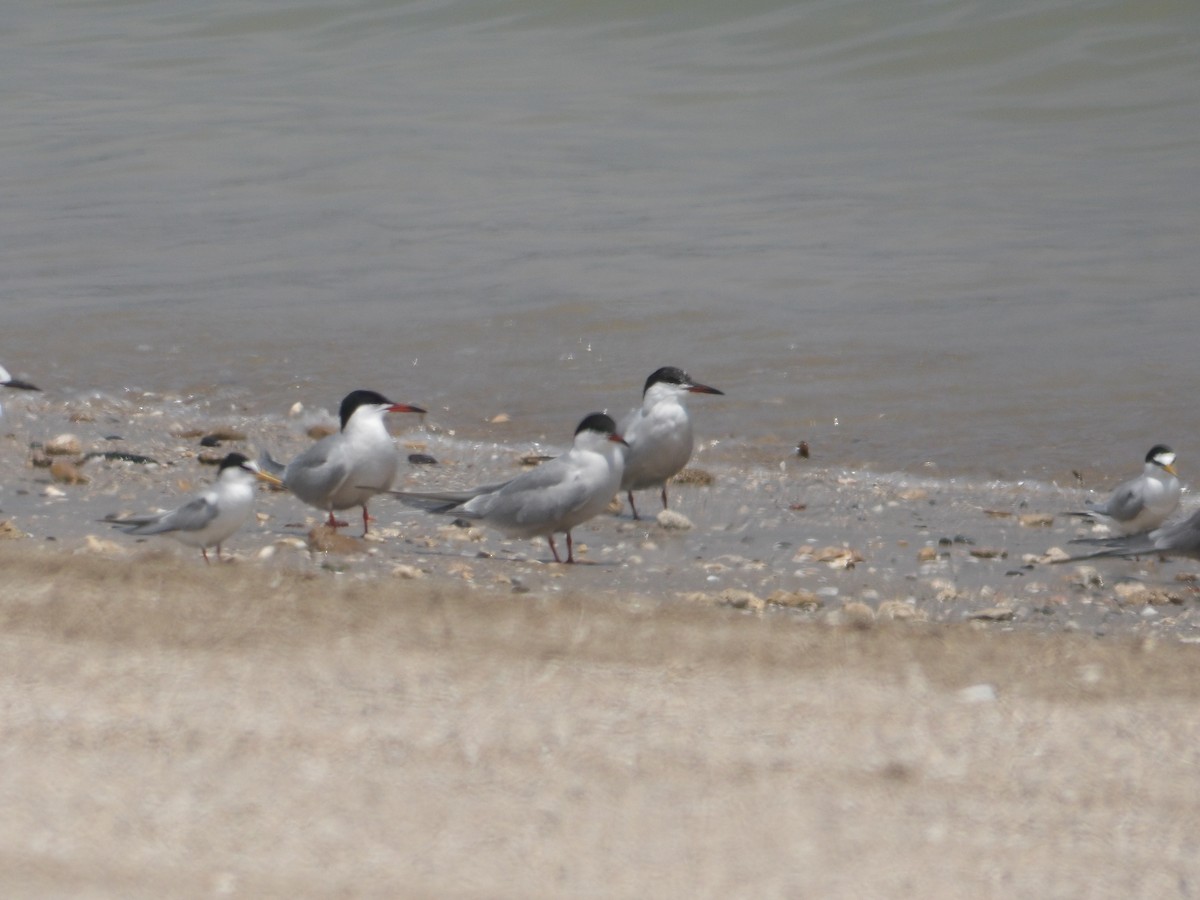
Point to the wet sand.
(836, 683)
(178, 730)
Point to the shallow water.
(924, 237)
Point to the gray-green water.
(907, 232)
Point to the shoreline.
(793, 537)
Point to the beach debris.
(911, 495)
(64, 445)
(81, 416)
(316, 432)
(421, 459)
(693, 476)
(900, 611)
(499, 419)
(672, 521)
(927, 554)
(407, 573)
(102, 546)
(225, 434)
(998, 513)
(534, 459)
(1132, 593)
(994, 614)
(1087, 577)
(120, 456)
(324, 539)
(283, 544)
(1052, 555)
(854, 614)
(988, 553)
(944, 590)
(838, 557)
(802, 450)
(740, 599)
(65, 472)
(795, 599)
(10, 532)
(1036, 520)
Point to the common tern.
(6, 380)
(350, 467)
(211, 517)
(659, 432)
(551, 499)
(1142, 503)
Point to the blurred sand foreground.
(176, 730)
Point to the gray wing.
(1177, 539)
(192, 516)
(1126, 502)
(534, 496)
(313, 477)
(446, 502)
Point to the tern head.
(241, 463)
(372, 400)
(1162, 456)
(602, 426)
(678, 379)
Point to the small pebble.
(673, 521)
(64, 445)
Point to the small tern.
(659, 432)
(1142, 503)
(548, 500)
(348, 468)
(211, 517)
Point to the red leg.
(365, 520)
(335, 523)
(664, 495)
(632, 506)
(204, 553)
(553, 549)
(570, 549)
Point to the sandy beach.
(833, 683)
(175, 730)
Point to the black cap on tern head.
(233, 460)
(676, 376)
(355, 399)
(667, 375)
(598, 422)
(1159, 450)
